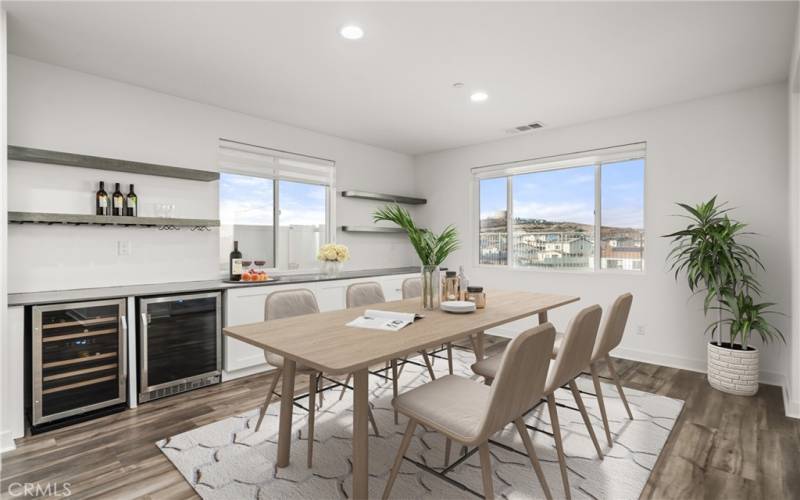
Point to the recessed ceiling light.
(478, 97)
(351, 32)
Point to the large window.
(275, 204)
(582, 211)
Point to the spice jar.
(475, 294)
(450, 291)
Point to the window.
(263, 189)
(559, 206)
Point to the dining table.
(325, 343)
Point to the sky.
(567, 195)
(248, 200)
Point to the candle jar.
(475, 294)
(450, 291)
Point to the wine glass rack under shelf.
(163, 223)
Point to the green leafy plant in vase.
(431, 248)
(716, 263)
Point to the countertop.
(78, 294)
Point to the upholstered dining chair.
(469, 412)
(370, 293)
(412, 288)
(610, 337)
(285, 304)
(573, 356)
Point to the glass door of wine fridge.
(78, 358)
(179, 343)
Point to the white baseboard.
(244, 372)
(6, 441)
(695, 365)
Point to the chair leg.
(346, 383)
(320, 392)
(450, 358)
(448, 443)
(562, 460)
(486, 471)
(585, 415)
(372, 421)
(537, 467)
(398, 461)
(598, 390)
(402, 366)
(619, 386)
(428, 364)
(394, 387)
(264, 408)
(312, 410)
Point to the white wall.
(7, 375)
(793, 368)
(55, 108)
(734, 145)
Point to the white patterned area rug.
(227, 460)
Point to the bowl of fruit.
(257, 273)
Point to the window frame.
(330, 233)
(594, 158)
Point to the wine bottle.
(101, 201)
(117, 201)
(131, 204)
(236, 263)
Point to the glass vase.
(331, 268)
(430, 287)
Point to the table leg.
(287, 406)
(543, 317)
(360, 434)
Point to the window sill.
(590, 272)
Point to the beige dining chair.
(286, 304)
(469, 412)
(573, 356)
(370, 293)
(412, 288)
(610, 337)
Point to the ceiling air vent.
(525, 128)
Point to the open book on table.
(383, 320)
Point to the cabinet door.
(392, 288)
(331, 295)
(244, 306)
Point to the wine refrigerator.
(78, 359)
(180, 339)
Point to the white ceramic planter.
(733, 371)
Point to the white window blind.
(259, 161)
(595, 156)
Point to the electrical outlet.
(123, 248)
(640, 330)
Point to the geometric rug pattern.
(228, 460)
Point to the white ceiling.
(559, 63)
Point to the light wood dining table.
(323, 342)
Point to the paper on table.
(382, 320)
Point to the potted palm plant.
(431, 248)
(708, 251)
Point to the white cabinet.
(246, 305)
(393, 287)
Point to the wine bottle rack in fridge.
(78, 361)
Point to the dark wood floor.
(721, 447)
